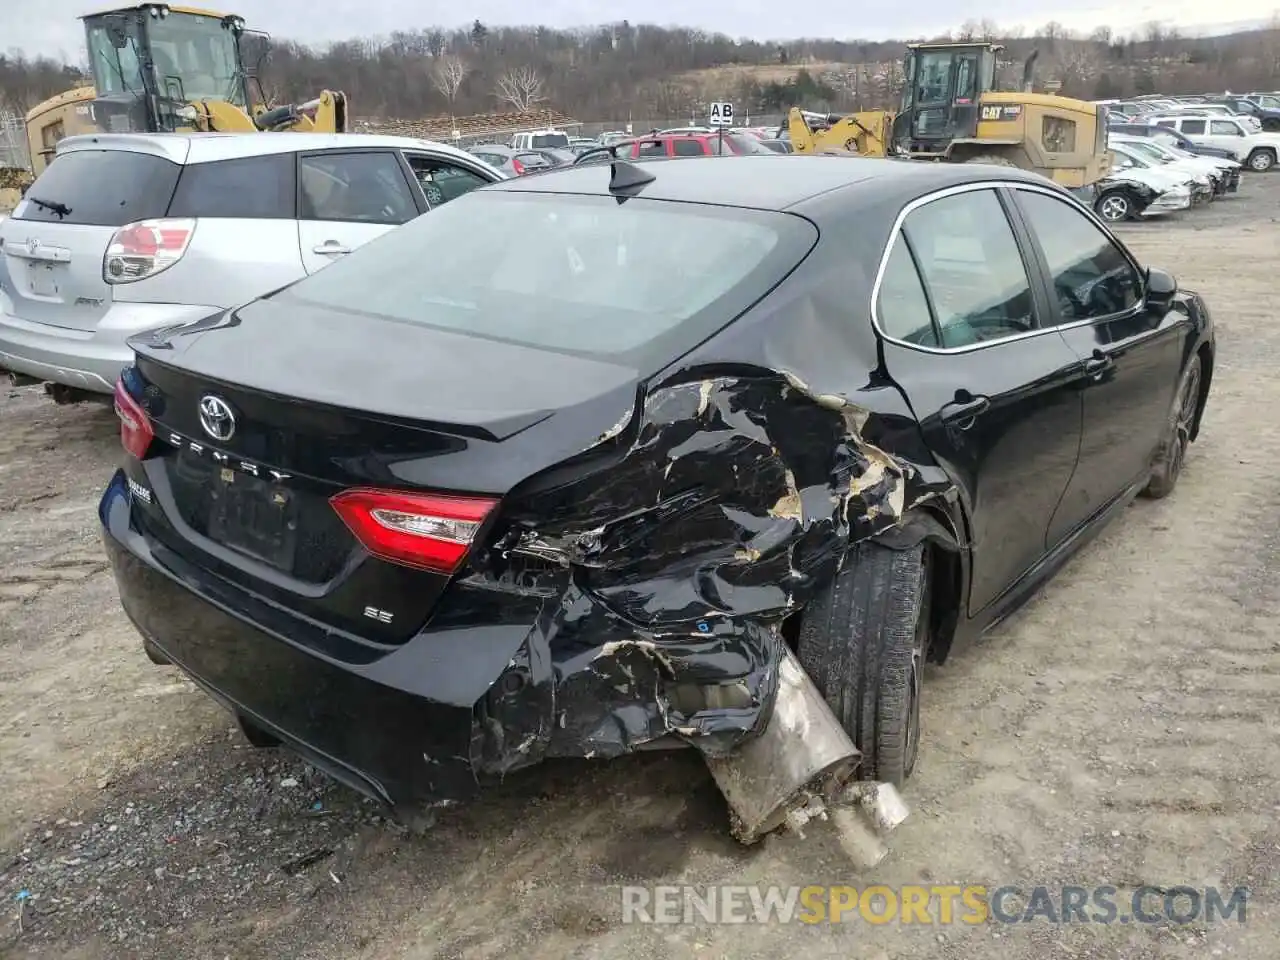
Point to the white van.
(540, 139)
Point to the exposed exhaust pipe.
(63, 394)
(1029, 72)
(800, 768)
(21, 379)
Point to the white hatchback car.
(124, 233)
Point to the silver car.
(124, 233)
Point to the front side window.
(116, 70)
(1224, 128)
(195, 58)
(442, 181)
(1092, 278)
(688, 147)
(358, 187)
(933, 77)
(972, 268)
(653, 149)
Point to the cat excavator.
(159, 67)
(952, 110)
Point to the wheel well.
(1270, 150)
(946, 583)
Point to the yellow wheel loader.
(158, 68)
(952, 111)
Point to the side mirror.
(1161, 289)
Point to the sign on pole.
(721, 115)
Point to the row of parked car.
(1259, 110)
(1172, 153)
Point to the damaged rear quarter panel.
(704, 518)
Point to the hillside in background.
(623, 69)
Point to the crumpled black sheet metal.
(671, 563)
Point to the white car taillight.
(145, 248)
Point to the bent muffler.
(801, 768)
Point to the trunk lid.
(321, 406)
(54, 243)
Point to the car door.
(1226, 133)
(1132, 355)
(346, 199)
(958, 308)
(442, 179)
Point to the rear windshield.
(550, 140)
(640, 282)
(102, 188)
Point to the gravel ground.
(1119, 731)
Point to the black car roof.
(775, 182)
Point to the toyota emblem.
(217, 418)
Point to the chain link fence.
(13, 142)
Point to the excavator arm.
(867, 133)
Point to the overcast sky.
(50, 27)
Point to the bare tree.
(521, 87)
(447, 74)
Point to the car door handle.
(1099, 365)
(962, 413)
(331, 247)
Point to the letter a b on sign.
(721, 115)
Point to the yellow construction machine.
(159, 67)
(952, 110)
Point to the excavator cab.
(151, 61)
(942, 93)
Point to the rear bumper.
(88, 359)
(499, 682)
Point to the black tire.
(1114, 206)
(863, 641)
(1261, 159)
(1171, 455)
(154, 654)
(256, 736)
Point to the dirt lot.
(1121, 730)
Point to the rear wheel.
(863, 642)
(155, 654)
(1261, 159)
(1113, 206)
(1172, 454)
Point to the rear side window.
(1193, 127)
(101, 188)
(639, 282)
(902, 307)
(653, 149)
(247, 188)
(688, 148)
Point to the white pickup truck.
(1256, 150)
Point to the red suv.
(692, 145)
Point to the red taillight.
(423, 530)
(145, 248)
(135, 426)
(517, 166)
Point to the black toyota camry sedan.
(561, 469)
